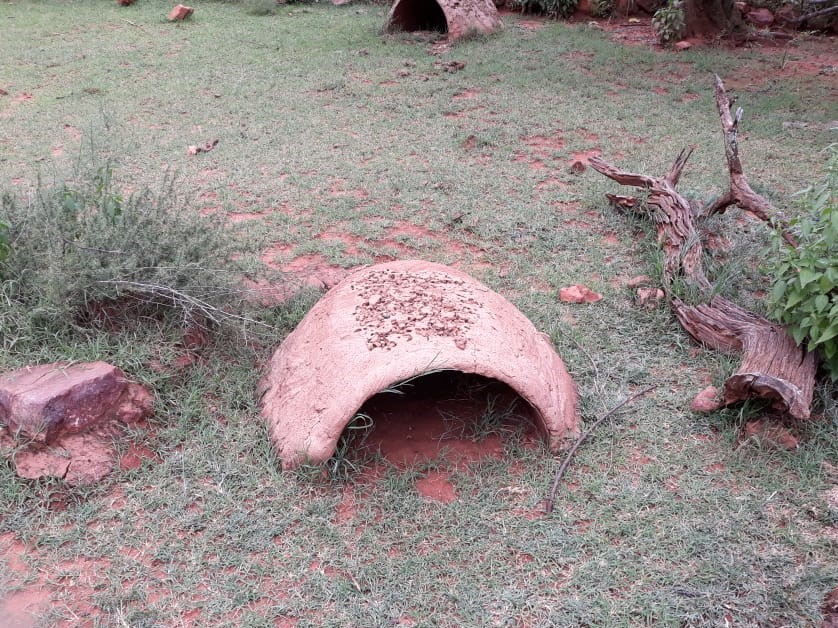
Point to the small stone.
(639, 280)
(578, 294)
(683, 45)
(708, 400)
(180, 12)
(761, 18)
(650, 296)
(125, 3)
(577, 167)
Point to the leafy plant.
(805, 294)
(553, 8)
(669, 22)
(602, 8)
(563, 8)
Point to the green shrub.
(805, 295)
(553, 8)
(669, 22)
(602, 8)
(73, 247)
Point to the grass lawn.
(340, 146)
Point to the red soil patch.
(532, 24)
(311, 270)
(584, 156)
(444, 416)
(244, 216)
(133, 458)
(610, 239)
(551, 182)
(468, 93)
(545, 144)
(437, 487)
(11, 553)
(23, 608)
(337, 188)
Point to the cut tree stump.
(773, 367)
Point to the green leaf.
(821, 302)
(807, 276)
(794, 299)
(798, 334)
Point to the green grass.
(662, 519)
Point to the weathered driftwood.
(740, 192)
(773, 367)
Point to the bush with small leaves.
(75, 246)
(805, 294)
(602, 8)
(553, 8)
(669, 22)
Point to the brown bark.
(773, 367)
(740, 192)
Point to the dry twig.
(548, 505)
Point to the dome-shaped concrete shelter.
(457, 18)
(391, 322)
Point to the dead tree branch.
(551, 500)
(773, 367)
(740, 193)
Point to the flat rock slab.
(64, 417)
(387, 323)
(42, 402)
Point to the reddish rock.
(42, 402)
(769, 434)
(180, 12)
(577, 167)
(639, 280)
(650, 296)
(830, 609)
(761, 18)
(125, 3)
(708, 400)
(683, 45)
(578, 294)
